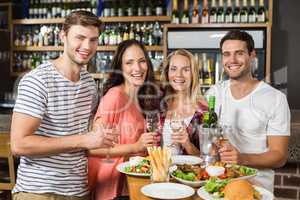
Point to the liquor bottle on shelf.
(211, 71)
(138, 33)
(252, 12)
(261, 13)
(113, 9)
(131, 32)
(131, 8)
(237, 12)
(106, 9)
(31, 11)
(213, 12)
(195, 14)
(121, 8)
(244, 12)
(205, 70)
(205, 12)
(185, 13)
(149, 8)
(125, 33)
(157, 34)
(94, 6)
(228, 13)
(159, 9)
(175, 13)
(141, 7)
(220, 12)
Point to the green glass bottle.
(205, 120)
(213, 117)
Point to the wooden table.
(135, 183)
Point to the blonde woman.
(183, 103)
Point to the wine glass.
(116, 135)
(153, 122)
(176, 124)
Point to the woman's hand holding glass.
(147, 139)
(178, 127)
(181, 137)
(153, 126)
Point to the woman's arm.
(145, 140)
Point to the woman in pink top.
(124, 100)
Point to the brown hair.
(239, 35)
(148, 93)
(81, 17)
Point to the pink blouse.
(115, 108)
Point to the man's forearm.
(36, 146)
(269, 159)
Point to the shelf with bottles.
(110, 8)
(46, 37)
(228, 25)
(60, 48)
(222, 11)
(103, 19)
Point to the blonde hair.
(195, 85)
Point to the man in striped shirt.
(51, 118)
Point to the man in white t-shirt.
(258, 113)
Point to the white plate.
(121, 168)
(266, 195)
(167, 191)
(186, 159)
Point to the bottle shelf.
(103, 19)
(60, 48)
(216, 25)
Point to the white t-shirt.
(166, 136)
(264, 112)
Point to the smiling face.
(180, 73)
(236, 59)
(134, 67)
(80, 43)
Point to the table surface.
(135, 183)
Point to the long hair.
(195, 85)
(148, 93)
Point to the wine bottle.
(159, 9)
(237, 12)
(205, 16)
(220, 12)
(261, 13)
(252, 12)
(228, 13)
(213, 117)
(244, 12)
(213, 12)
(205, 120)
(185, 13)
(175, 13)
(195, 15)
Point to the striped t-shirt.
(64, 108)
